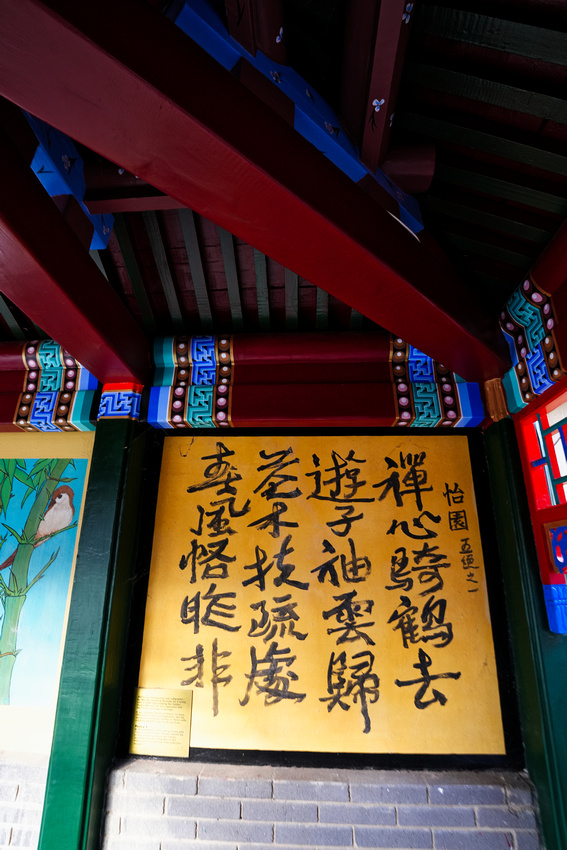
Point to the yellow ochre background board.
(463, 715)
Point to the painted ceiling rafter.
(43, 263)
(62, 62)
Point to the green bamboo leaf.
(21, 463)
(11, 468)
(66, 480)
(5, 493)
(18, 537)
(40, 466)
(28, 492)
(23, 476)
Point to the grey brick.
(213, 830)
(30, 792)
(528, 841)
(4, 835)
(143, 804)
(319, 836)
(199, 845)
(159, 827)
(274, 810)
(125, 843)
(469, 839)
(373, 793)
(202, 807)
(215, 786)
(505, 817)
(8, 791)
(23, 772)
(334, 792)
(436, 816)
(351, 813)
(368, 836)
(520, 796)
(160, 783)
(471, 795)
(14, 813)
(111, 825)
(22, 837)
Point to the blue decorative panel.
(537, 369)
(204, 361)
(49, 355)
(420, 366)
(158, 408)
(43, 411)
(555, 596)
(51, 380)
(119, 404)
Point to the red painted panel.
(122, 91)
(313, 405)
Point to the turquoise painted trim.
(80, 416)
(514, 398)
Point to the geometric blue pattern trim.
(49, 355)
(537, 368)
(43, 411)
(528, 316)
(204, 361)
(120, 404)
(555, 596)
(512, 346)
(200, 407)
(420, 366)
(426, 405)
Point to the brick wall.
(22, 786)
(162, 805)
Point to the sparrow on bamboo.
(58, 515)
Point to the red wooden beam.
(122, 90)
(47, 273)
(376, 36)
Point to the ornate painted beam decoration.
(430, 395)
(528, 323)
(192, 386)
(58, 392)
(120, 401)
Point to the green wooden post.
(540, 656)
(90, 687)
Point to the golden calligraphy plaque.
(323, 594)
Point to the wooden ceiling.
(484, 82)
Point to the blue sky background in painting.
(40, 629)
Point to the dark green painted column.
(121, 489)
(540, 656)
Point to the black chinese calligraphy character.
(210, 556)
(458, 521)
(260, 577)
(362, 684)
(283, 617)
(286, 569)
(424, 682)
(191, 610)
(219, 473)
(414, 479)
(347, 613)
(417, 523)
(357, 568)
(197, 668)
(345, 522)
(271, 676)
(454, 496)
(220, 524)
(273, 519)
(344, 482)
(276, 479)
